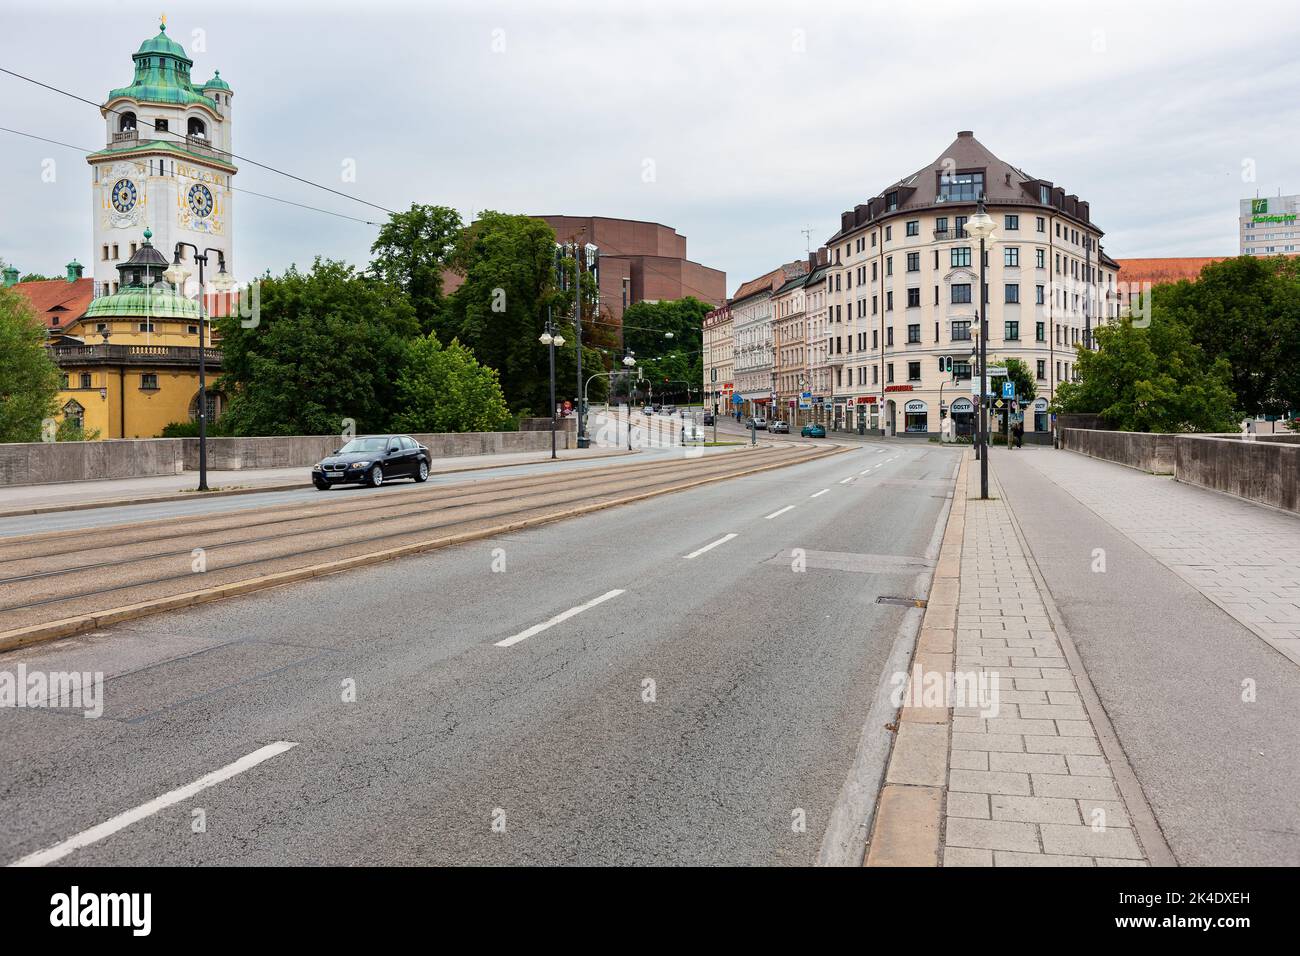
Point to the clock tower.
(166, 164)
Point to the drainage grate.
(901, 601)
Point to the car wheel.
(321, 485)
(376, 477)
(422, 473)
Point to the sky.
(741, 125)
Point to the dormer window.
(961, 187)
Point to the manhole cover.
(901, 601)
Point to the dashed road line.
(563, 616)
(818, 494)
(709, 547)
(123, 820)
(777, 514)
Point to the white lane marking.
(563, 616)
(124, 820)
(818, 494)
(845, 481)
(777, 514)
(864, 471)
(709, 547)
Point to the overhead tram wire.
(242, 159)
(138, 164)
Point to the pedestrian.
(1020, 435)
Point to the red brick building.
(640, 262)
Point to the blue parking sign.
(1008, 389)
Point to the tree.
(411, 253)
(1247, 311)
(499, 311)
(29, 379)
(330, 346)
(446, 390)
(1018, 372)
(1153, 379)
(35, 277)
(679, 358)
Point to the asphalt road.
(706, 699)
(1168, 665)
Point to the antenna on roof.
(807, 238)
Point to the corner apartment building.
(1269, 226)
(904, 279)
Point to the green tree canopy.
(1153, 379)
(678, 358)
(330, 345)
(35, 277)
(500, 309)
(411, 253)
(446, 390)
(1018, 372)
(29, 379)
(1247, 311)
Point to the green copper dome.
(136, 302)
(216, 83)
(163, 44)
(162, 75)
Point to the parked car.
(758, 421)
(708, 418)
(647, 410)
(813, 431)
(776, 427)
(373, 460)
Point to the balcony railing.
(943, 235)
(194, 144)
(133, 354)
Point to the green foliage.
(180, 430)
(1153, 379)
(1247, 311)
(679, 359)
(411, 253)
(446, 390)
(35, 277)
(500, 310)
(29, 379)
(330, 345)
(69, 430)
(1018, 371)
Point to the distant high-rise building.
(1270, 226)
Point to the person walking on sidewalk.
(1018, 435)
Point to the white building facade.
(904, 283)
(1270, 226)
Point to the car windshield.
(363, 444)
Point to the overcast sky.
(740, 125)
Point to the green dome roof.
(162, 75)
(216, 83)
(138, 302)
(164, 44)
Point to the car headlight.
(359, 464)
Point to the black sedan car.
(372, 461)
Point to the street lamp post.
(552, 341)
(629, 363)
(981, 226)
(177, 274)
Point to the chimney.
(11, 276)
(74, 270)
(812, 261)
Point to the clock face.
(200, 200)
(124, 195)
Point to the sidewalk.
(29, 499)
(1021, 770)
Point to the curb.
(908, 826)
(256, 490)
(68, 627)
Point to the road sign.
(1008, 389)
(737, 400)
(998, 404)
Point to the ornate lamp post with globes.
(176, 274)
(552, 341)
(981, 227)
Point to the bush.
(180, 430)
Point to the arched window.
(127, 123)
(75, 413)
(196, 128)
